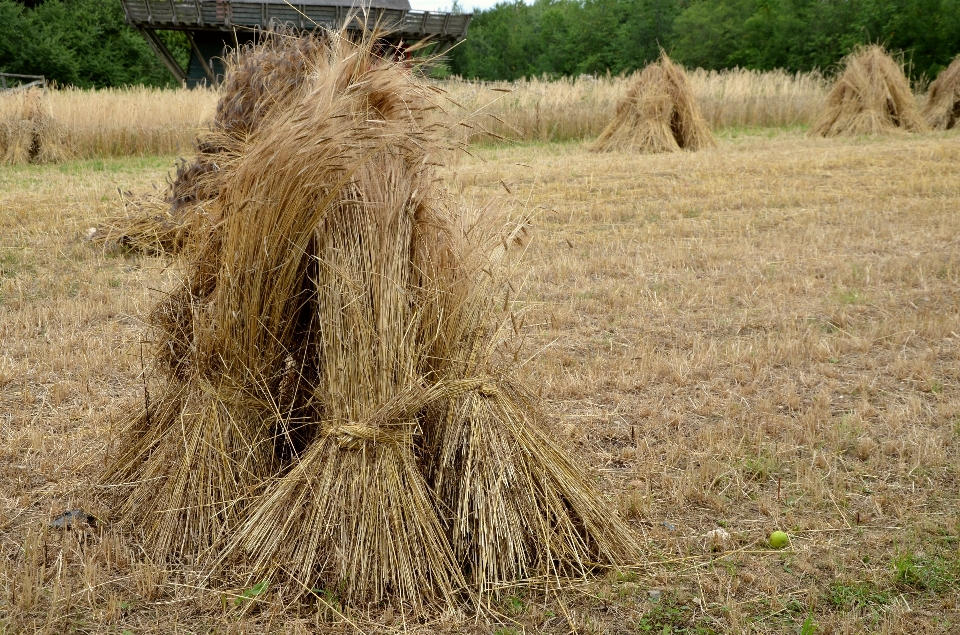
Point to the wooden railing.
(10, 82)
(220, 14)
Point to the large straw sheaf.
(332, 412)
(942, 110)
(871, 96)
(658, 114)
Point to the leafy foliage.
(570, 37)
(84, 43)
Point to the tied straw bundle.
(942, 110)
(658, 114)
(28, 131)
(871, 96)
(333, 413)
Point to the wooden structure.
(15, 81)
(213, 25)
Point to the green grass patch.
(856, 595)
(118, 165)
(760, 468)
(670, 616)
(12, 263)
(918, 571)
(849, 296)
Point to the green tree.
(503, 44)
(83, 43)
(711, 34)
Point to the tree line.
(83, 43)
(86, 43)
(570, 37)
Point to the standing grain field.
(146, 121)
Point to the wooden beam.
(203, 62)
(163, 52)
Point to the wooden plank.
(203, 62)
(164, 53)
(303, 14)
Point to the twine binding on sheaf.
(394, 422)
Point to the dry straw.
(148, 225)
(658, 114)
(259, 79)
(129, 120)
(28, 133)
(942, 110)
(333, 411)
(871, 96)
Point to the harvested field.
(762, 335)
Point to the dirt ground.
(761, 336)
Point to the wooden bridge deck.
(206, 24)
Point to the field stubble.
(763, 335)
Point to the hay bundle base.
(659, 114)
(942, 110)
(872, 96)
(333, 415)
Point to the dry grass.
(871, 96)
(142, 122)
(942, 108)
(761, 335)
(579, 109)
(658, 114)
(113, 122)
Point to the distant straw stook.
(871, 96)
(658, 114)
(331, 357)
(28, 132)
(942, 110)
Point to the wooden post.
(203, 62)
(164, 53)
